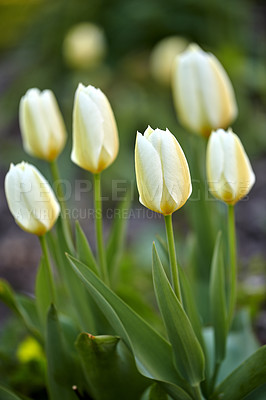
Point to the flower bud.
(162, 172)
(203, 94)
(230, 175)
(95, 137)
(84, 46)
(41, 123)
(30, 199)
(163, 56)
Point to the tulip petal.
(215, 158)
(87, 131)
(31, 199)
(33, 124)
(187, 92)
(148, 173)
(55, 123)
(175, 171)
(246, 176)
(110, 141)
(230, 169)
(226, 109)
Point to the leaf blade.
(244, 379)
(188, 355)
(136, 333)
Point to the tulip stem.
(197, 392)
(172, 256)
(60, 195)
(233, 263)
(48, 268)
(99, 228)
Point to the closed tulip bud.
(203, 94)
(163, 56)
(30, 199)
(84, 46)
(229, 172)
(95, 137)
(41, 123)
(162, 172)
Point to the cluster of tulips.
(177, 366)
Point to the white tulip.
(162, 171)
(30, 199)
(41, 123)
(84, 46)
(203, 94)
(95, 137)
(230, 175)
(163, 55)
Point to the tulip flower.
(30, 199)
(84, 46)
(41, 123)
(162, 172)
(230, 175)
(95, 137)
(162, 57)
(203, 94)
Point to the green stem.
(60, 195)
(99, 228)
(233, 263)
(172, 256)
(48, 267)
(214, 377)
(197, 393)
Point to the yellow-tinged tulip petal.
(95, 137)
(203, 94)
(41, 123)
(31, 199)
(162, 172)
(230, 175)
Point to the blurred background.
(116, 45)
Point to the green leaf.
(244, 379)
(81, 306)
(42, 292)
(155, 392)
(190, 306)
(84, 252)
(117, 237)
(23, 306)
(6, 394)
(60, 369)
(109, 368)
(188, 355)
(152, 353)
(218, 300)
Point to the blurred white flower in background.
(84, 46)
(163, 56)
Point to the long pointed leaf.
(60, 370)
(23, 306)
(42, 293)
(84, 252)
(110, 368)
(117, 237)
(188, 355)
(218, 300)
(244, 379)
(6, 394)
(152, 353)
